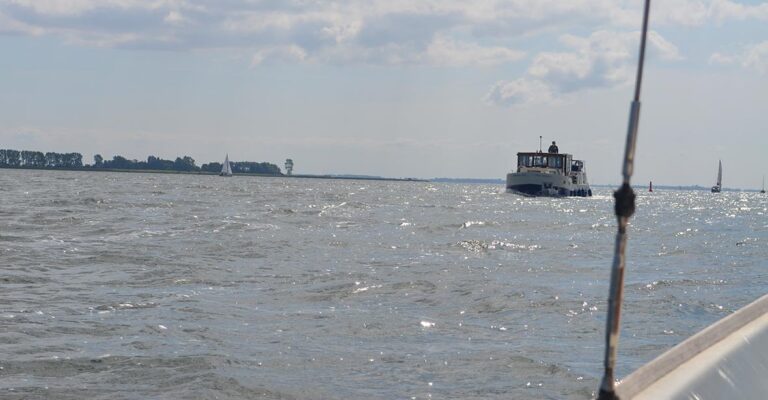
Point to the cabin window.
(555, 162)
(576, 166)
(539, 161)
(524, 161)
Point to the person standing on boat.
(553, 148)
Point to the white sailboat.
(719, 185)
(226, 169)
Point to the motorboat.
(548, 174)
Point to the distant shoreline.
(162, 171)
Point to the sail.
(226, 169)
(719, 185)
(720, 174)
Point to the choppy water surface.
(134, 286)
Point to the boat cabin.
(548, 163)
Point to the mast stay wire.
(624, 208)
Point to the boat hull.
(543, 184)
(727, 360)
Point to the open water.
(139, 286)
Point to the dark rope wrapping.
(625, 201)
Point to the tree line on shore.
(35, 159)
(38, 159)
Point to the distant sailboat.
(719, 185)
(763, 189)
(226, 169)
(650, 187)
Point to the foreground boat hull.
(546, 185)
(727, 360)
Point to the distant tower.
(289, 166)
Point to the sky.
(397, 88)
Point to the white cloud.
(699, 12)
(174, 18)
(519, 91)
(342, 32)
(77, 7)
(756, 57)
(600, 60)
(11, 26)
(665, 49)
(719, 58)
(680, 12)
(723, 10)
(452, 33)
(603, 59)
(281, 54)
(753, 57)
(484, 27)
(561, 66)
(444, 51)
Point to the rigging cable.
(625, 207)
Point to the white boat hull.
(727, 360)
(545, 184)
